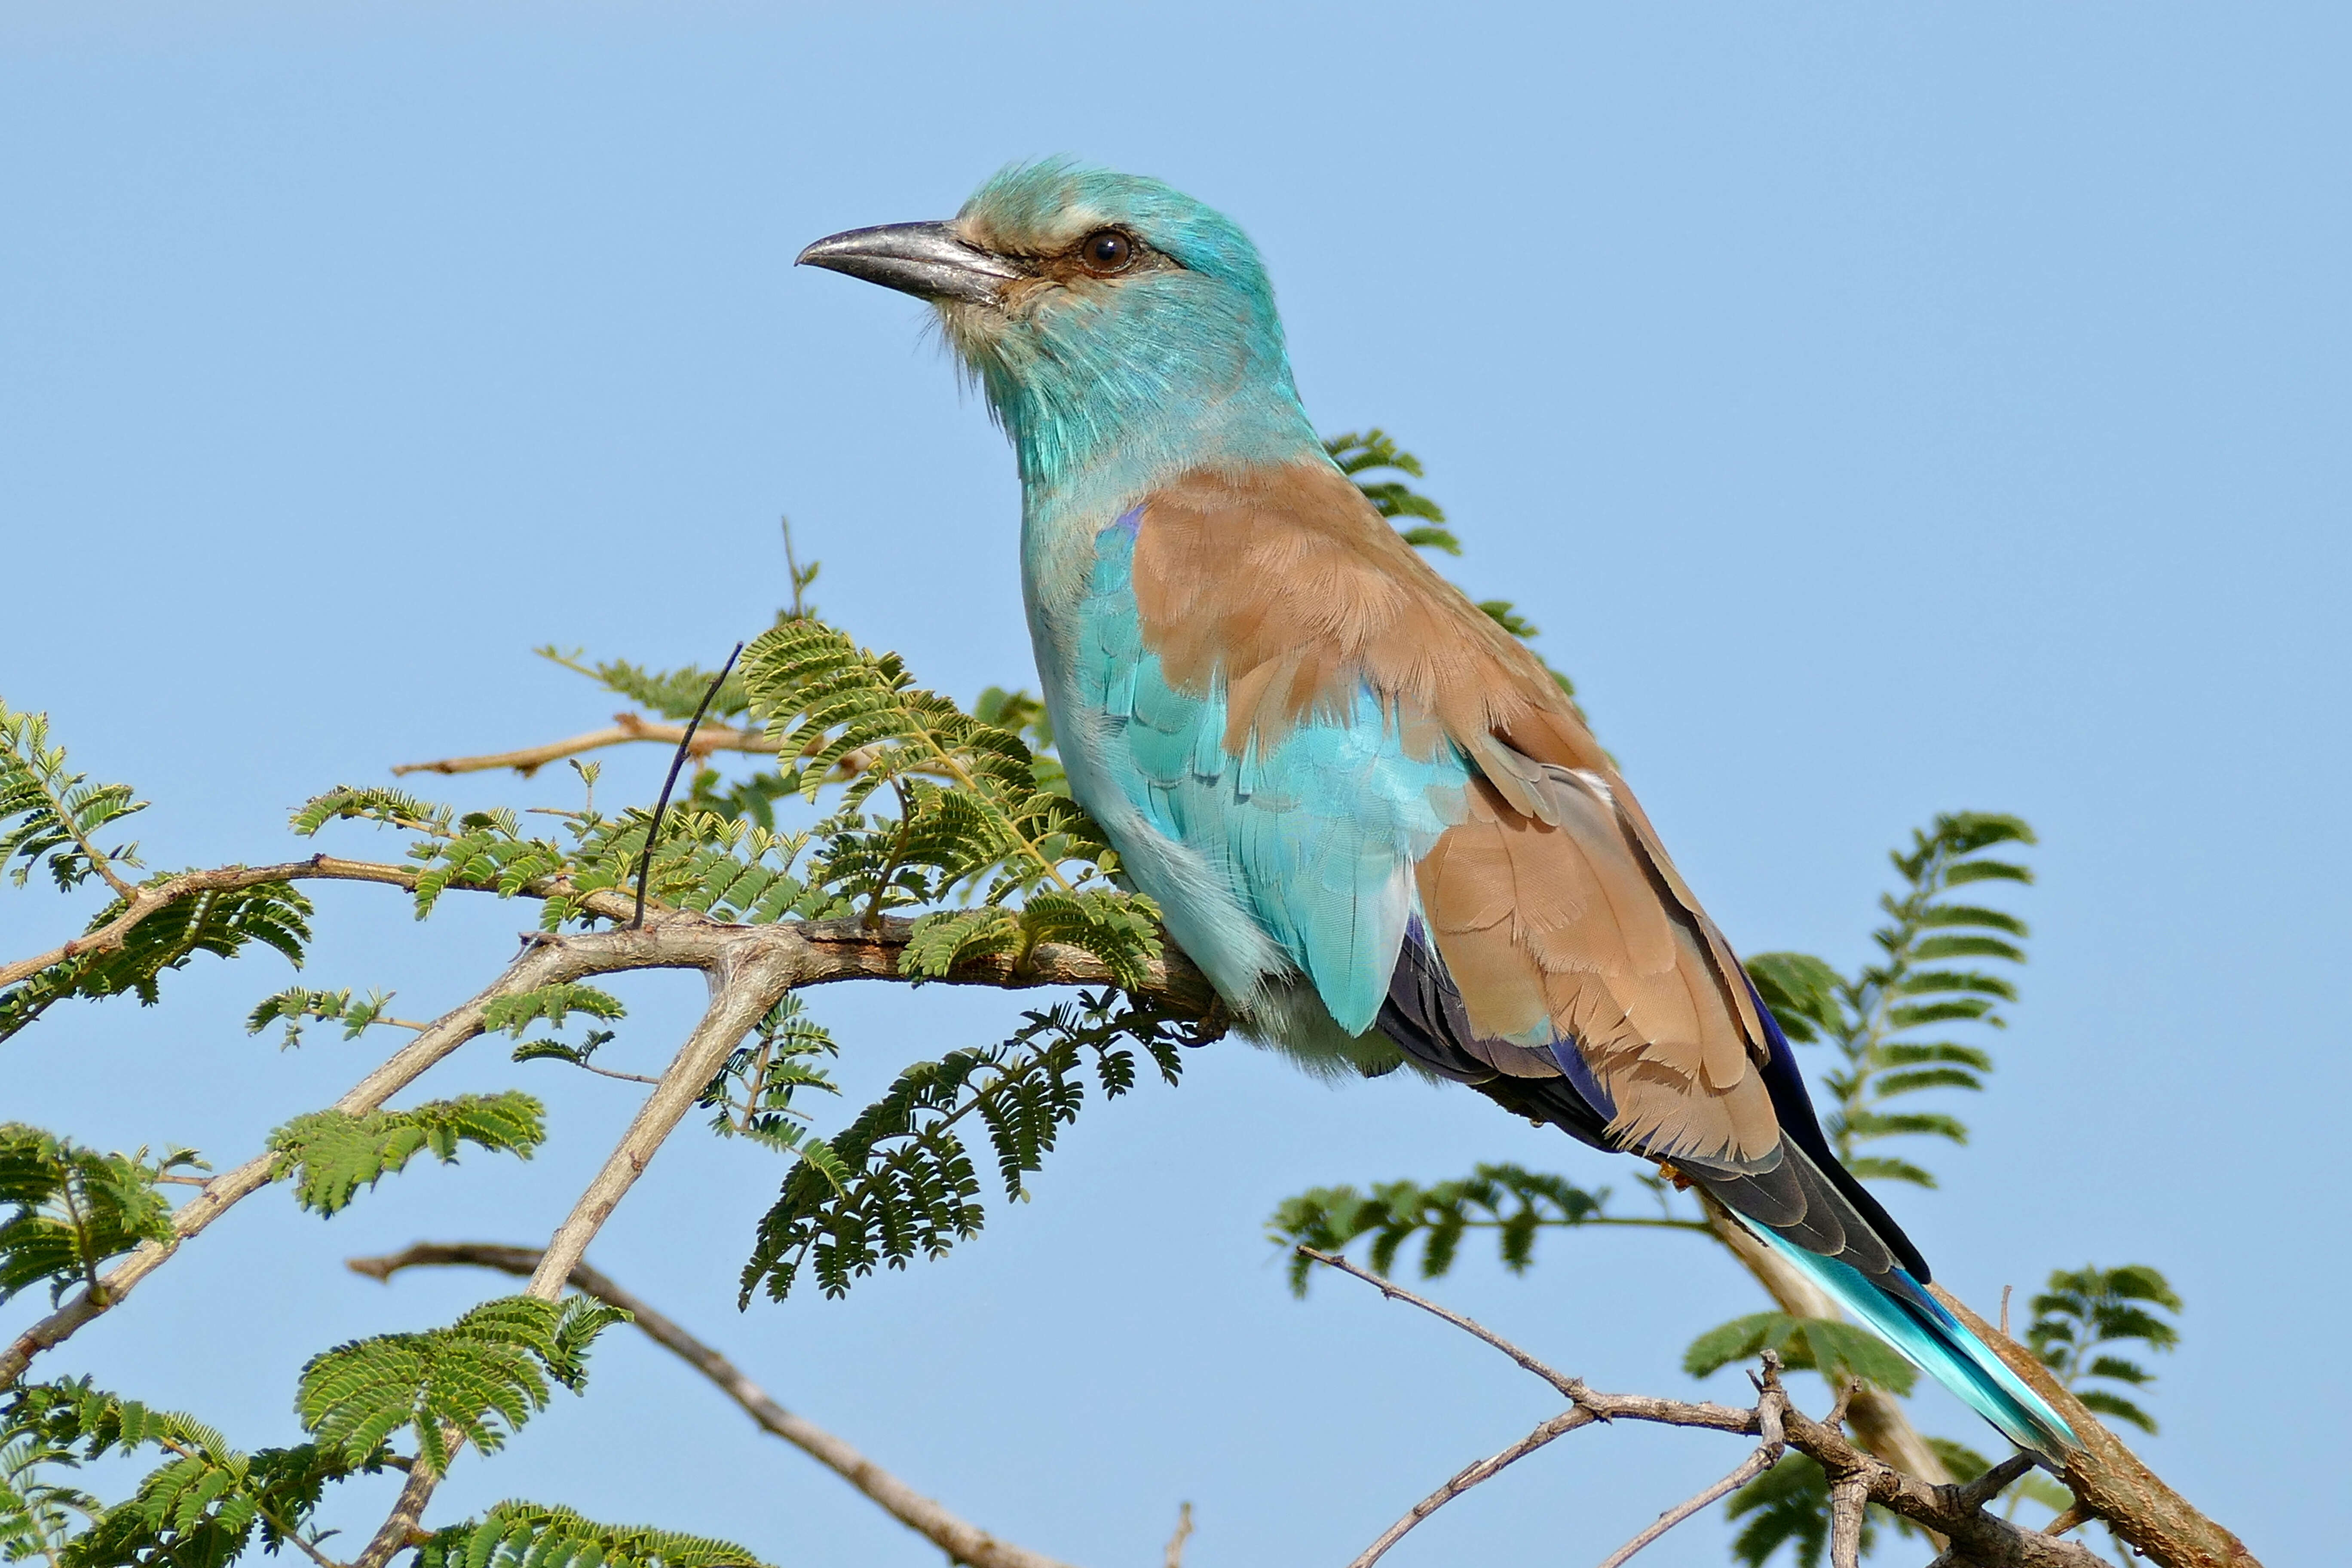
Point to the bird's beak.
(920, 259)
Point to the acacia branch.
(540, 965)
(2111, 1482)
(806, 952)
(750, 969)
(1977, 1539)
(743, 994)
(625, 728)
(962, 1541)
(147, 901)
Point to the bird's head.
(1102, 313)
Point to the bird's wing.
(1419, 815)
(1280, 592)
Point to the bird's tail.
(1902, 1313)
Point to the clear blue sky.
(1881, 409)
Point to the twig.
(1978, 1539)
(2074, 1514)
(625, 728)
(961, 1539)
(613, 1073)
(1572, 1388)
(1175, 1555)
(1770, 1405)
(1469, 1475)
(685, 744)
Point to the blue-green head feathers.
(1113, 322)
(1152, 350)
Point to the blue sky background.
(1883, 410)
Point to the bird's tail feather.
(1930, 1338)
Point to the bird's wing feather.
(1547, 896)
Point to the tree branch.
(808, 952)
(1847, 1500)
(1957, 1512)
(2105, 1475)
(742, 988)
(540, 965)
(963, 1542)
(146, 901)
(626, 727)
(742, 994)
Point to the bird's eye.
(1106, 251)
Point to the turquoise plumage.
(1368, 814)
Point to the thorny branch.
(625, 728)
(962, 1541)
(1978, 1540)
(786, 955)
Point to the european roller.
(1365, 810)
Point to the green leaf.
(2085, 1309)
(1881, 1124)
(551, 1005)
(944, 936)
(484, 1375)
(1803, 992)
(332, 1154)
(1834, 1349)
(1936, 947)
(900, 1182)
(674, 694)
(514, 1534)
(753, 1093)
(73, 1209)
(199, 1509)
(1891, 1084)
(1515, 1203)
(1789, 1505)
(50, 818)
(1985, 872)
(1502, 614)
(1881, 1168)
(976, 817)
(297, 1005)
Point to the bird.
(1366, 812)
